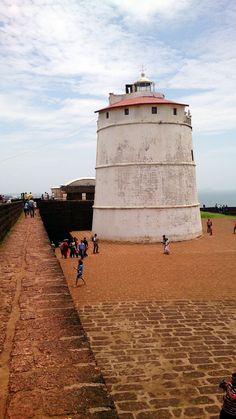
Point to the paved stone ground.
(47, 368)
(163, 359)
(162, 328)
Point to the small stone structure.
(81, 189)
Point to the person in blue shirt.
(80, 269)
(81, 247)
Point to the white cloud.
(144, 10)
(60, 59)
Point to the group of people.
(221, 208)
(45, 196)
(209, 227)
(30, 207)
(25, 196)
(74, 248)
(77, 248)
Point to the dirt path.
(11, 273)
(47, 368)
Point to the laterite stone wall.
(9, 214)
(61, 217)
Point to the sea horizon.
(209, 198)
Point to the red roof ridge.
(141, 100)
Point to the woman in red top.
(65, 248)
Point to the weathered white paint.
(145, 175)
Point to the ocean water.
(210, 198)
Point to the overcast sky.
(61, 58)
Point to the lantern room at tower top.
(141, 85)
(145, 168)
(141, 91)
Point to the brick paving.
(162, 328)
(47, 368)
(163, 359)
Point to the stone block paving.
(47, 368)
(163, 359)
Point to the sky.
(59, 59)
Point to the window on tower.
(107, 115)
(174, 111)
(126, 111)
(192, 155)
(154, 109)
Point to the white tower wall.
(145, 175)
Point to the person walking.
(72, 249)
(95, 243)
(35, 207)
(165, 246)
(209, 226)
(26, 208)
(234, 227)
(80, 270)
(86, 246)
(65, 248)
(228, 410)
(81, 249)
(31, 208)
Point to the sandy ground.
(204, 268)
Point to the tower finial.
(142, 71)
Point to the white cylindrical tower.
(145, 169)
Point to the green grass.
(215, 215)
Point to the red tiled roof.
(141, 100)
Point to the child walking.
(167, 247)
(80, 269)
(209, 226)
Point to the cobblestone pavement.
(162, 328)
(163, 359)
(47, 368)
